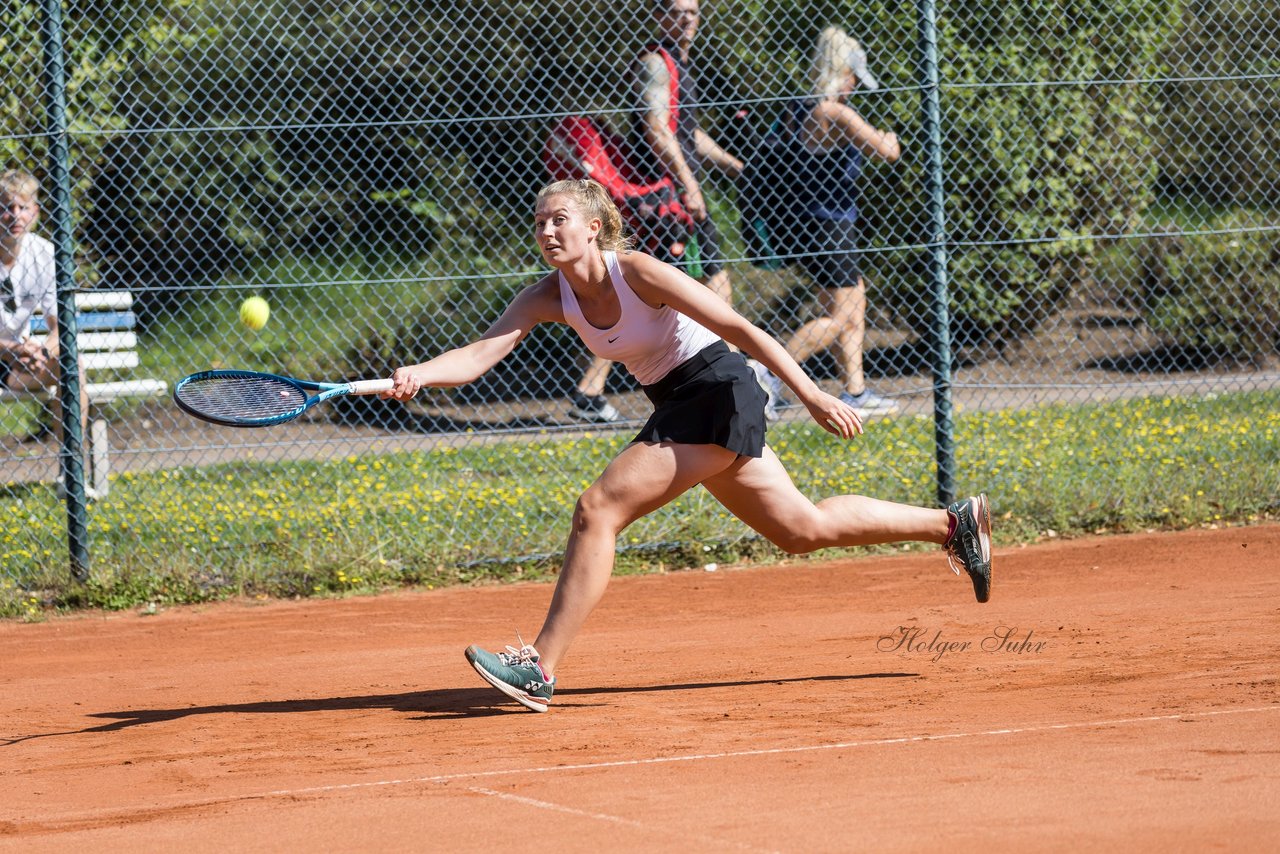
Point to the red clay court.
(1126, 697)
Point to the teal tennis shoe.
(515, 673)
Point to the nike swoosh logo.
(614, 338)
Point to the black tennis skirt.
(712, 398)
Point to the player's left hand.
(834, 415)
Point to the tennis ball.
(254, 313)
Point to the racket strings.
(242, 398)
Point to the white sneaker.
(870, 403)
(594, 408)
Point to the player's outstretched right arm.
(536, 304)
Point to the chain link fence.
(1110, 266)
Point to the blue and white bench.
(108, 346)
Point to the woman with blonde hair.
(829, 143)
(707, 427)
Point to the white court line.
(653, 760)
(612, 819)
(767, 751)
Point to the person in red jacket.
(668, 139)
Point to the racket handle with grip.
(370, 386)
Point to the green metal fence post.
(72, 455)
(931, 114)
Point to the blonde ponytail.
(593, 202)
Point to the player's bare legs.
(761, 494)
(641, 479)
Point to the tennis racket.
(252, 399)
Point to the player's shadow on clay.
(442, 704)
(697, 686)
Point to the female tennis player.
(708, 424)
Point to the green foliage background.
(368, 164)
(1239, 318)
(210, 133)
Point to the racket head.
(242, 398)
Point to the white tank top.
(648, 341)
